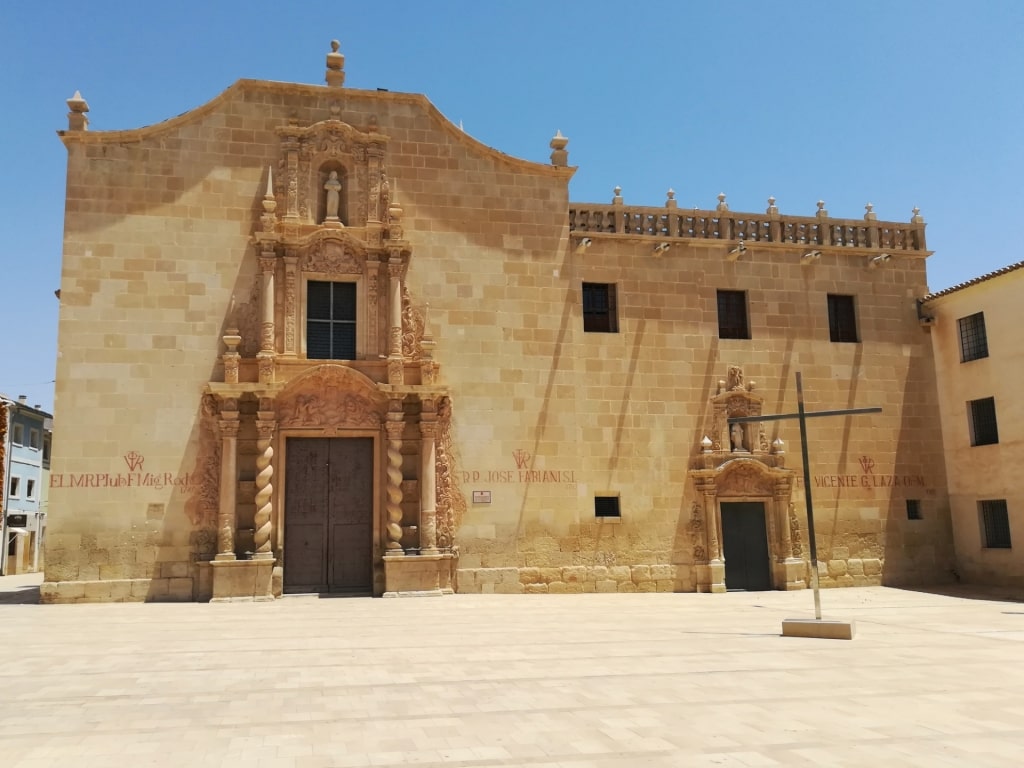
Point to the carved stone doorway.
(328, 515)
(745, 546)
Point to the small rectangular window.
(913, 509)
(842, 319)
(15, 486)
(330, 321)
(995, 524)
(973, 339)
(600, 315)
(30, 489)
(606, 506)
(732, 315)
(981, 418)
(46, 448)
(18, 434)
(33, 438)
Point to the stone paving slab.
(549, 681)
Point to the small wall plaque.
(481, 497)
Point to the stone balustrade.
(769, 227)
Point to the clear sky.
(901, 103)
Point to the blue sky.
(899, 103)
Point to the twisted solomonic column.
(264, 487)
(395, 427)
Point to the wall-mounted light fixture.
(736, 252)
(660, 248)
(809, 258)
(878, 260)
(583, 244)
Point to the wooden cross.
(802, 416)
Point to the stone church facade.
(318, 339)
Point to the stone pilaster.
(395, 367)
(265, 425)
(428, 479)
(290, 304)
(228, 425)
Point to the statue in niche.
(736, 434)
(333, 187)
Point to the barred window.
(995, 524)
(913, 509)
(732, 315)
(842, 319)
(330, 320)
(599, 311)
(973, 339)
(981, 418)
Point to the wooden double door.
(745, 545)
(328, 515)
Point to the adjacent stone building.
(315, 338)
(978, 357)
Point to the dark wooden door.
(328, 517)
(745, 545)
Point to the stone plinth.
(241, 580)
(824, 629)
(417, 575)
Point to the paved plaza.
(468, 681)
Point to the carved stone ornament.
(451, 504)
(330, 257)
(204, 500)
(331, 396)
(747, 479)
(412, 328)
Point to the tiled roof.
(974, 281)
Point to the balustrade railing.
(770, 227)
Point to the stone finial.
(559, 156)
(772, 208)
(670, 199)
(778, 447)
(269, 201)
(617, 200)
(917, 218)
(335, 66)
(869, 213)
(705, 444)
(722, 205)
(822, 213)
(77, 121)
(268, 219)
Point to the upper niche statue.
(333, 187)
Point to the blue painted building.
(26, 470)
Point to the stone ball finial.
(618, 195)
(869, 212)
(670, 199)
(722, 205)
(671, 194)
(822, 213)
(772, 208)
(821, 205)
(335, 66)
(917, 218)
